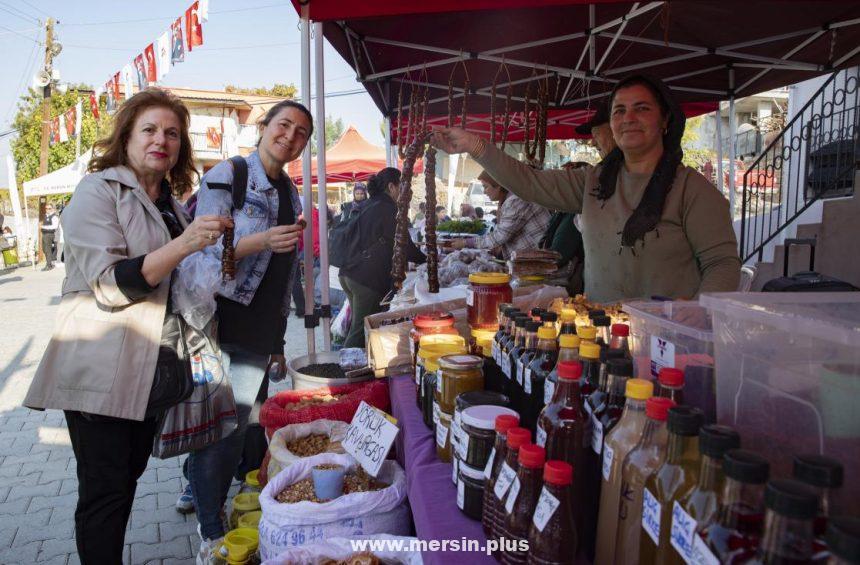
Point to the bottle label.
(441, 435)
(506, 365)
(527, 380)
(411, 347)
(504, 480)
(651, 516)
(682, 533)
(608, 455)
(417, 374)
(701, 554)
(488, 468)
(520, 372)
(495, 351)
(512, 496)
(540, 436)
(461, 494)
(439, 381)
(596, 435)
(546, 507)
(462, 443)
(548, 390)
(456, 470)
(436, 412)
(470, 297)
(662, 354)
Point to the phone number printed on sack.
(369, 437)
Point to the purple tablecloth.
(432, 494)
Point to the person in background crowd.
(125, 235)
(442, 215)
(359, 200)
(49, 231)
(369, 280)
(301, 279)
(421, 215)
(467, 211)
(563, 236)
(599, 130)
(479, 212)
(520, 224)
(651, 226)
(252, 312)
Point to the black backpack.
(346, 246)
(237, 188)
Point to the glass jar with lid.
(486, 291)
(458, 374)
(479, 433)
(430, 323)
(432, 350)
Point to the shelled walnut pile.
(357, 481)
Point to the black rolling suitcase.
(805, 281)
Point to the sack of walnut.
(340, 550)
(296, 441)
(283, 525)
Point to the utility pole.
(46, 98)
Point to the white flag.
(128, 77)
(203, 10)
(64, 135)
(79, 112)
(162, 55)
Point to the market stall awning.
(351, 159)
(706, 50)
(61, 181)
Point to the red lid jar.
(427, 324)
(486, 291)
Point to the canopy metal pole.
(719, 127)
(322, 192)
(307, 180)
(733, 128)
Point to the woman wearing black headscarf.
(650, 225)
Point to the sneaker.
(185, 502)
(209, 550)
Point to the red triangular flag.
(151, 69)
(116, 93)
(94, 105)
(71, 118)
(193, 28)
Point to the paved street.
(38, 488)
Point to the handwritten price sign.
(369, 437)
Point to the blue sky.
(246, 43)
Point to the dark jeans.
(111, 456)
(48, 247)
(364, 301)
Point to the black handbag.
(173, 382)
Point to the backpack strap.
(240, 181)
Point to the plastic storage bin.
(675, 334)
(788, 377)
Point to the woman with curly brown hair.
(124, 235)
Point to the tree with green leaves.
(694, 158)
(333, 130)
(282, 90)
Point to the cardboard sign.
(370, 436)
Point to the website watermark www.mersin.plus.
(463, 544)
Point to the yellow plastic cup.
(252, 479)
(242, 504)
(241, 544)
(250, 519)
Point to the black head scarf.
(645, 217)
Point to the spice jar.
(486, 291)
(459, 374)
(431, 323)
(470, 491)
(456, 344)
(479, 433)
(443, 445)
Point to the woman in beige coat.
(124, 235)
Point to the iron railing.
(814, 156)
(746, 143)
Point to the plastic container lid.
(471, 472)
(569, 370)
(745, 466)
(602, 321)
(818, 470)
(547, 316)
(483, 334)
(558, 473)
(436, 319)
(460, 362)
(568, 315)
(620, 367)
(621, 330)
(480, 398)
(586, 332)
(669, 376)
(490, 278)
(546, 333)
(250, 519)
(532, 326)
(791, 498)
(568, 341)
(639, 389)
(532, 456)
(435, 350)
(431, 365)
(589, 350)
(657, 407)
(247, 501)
(484, 417)
(843, 538)
(518, 437)
(252, 478)
(506, 422)
(665, 314)
(715, 440)
(685, 420)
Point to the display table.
(432, 494)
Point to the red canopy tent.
(351, 159)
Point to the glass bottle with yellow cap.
(589, 356)
(542, 363)
(486, 291)
(587, 333)
(568, 350)
(568, 321)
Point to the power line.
(36, 8)
(18, 13)
(169, 18)
(18, 34)
(28, 69)
(20, 31)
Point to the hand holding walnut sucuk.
(204, 231)
(457, 140)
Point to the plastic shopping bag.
(209, 414)
(340, 324)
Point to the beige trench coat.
(101, 357)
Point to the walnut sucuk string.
(506, 119)
(540, 129)
(430, 228)
(401, 146)
(401, 231)
(528, 149)
(228, 257)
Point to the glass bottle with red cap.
(501, 483)
(521, 502)
(642, 460)
(552, 533)
(564, 429)
(620, 338)
(671, 384)
(504, 423)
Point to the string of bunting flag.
(148, 67)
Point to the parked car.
(476, 197)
